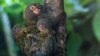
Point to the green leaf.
(74, 43)
(1, 2)
(68, 7)
(32, 1)
(96, 25)
(69, 25)
(96, 22)
(86, 2)
(15, 8)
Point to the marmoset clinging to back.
(19, 34)
(47, 36)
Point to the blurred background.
(83, 26)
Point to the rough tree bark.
(55, 7)
(56, 10)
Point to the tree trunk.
(55, 9)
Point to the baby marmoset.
(44, 25)
(46, 35)
(19, 32)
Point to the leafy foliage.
(96, 25)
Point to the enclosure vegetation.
(38, 27)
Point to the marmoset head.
(32, 11)
(44, 25)
(36, 8)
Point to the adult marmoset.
(58, 21)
